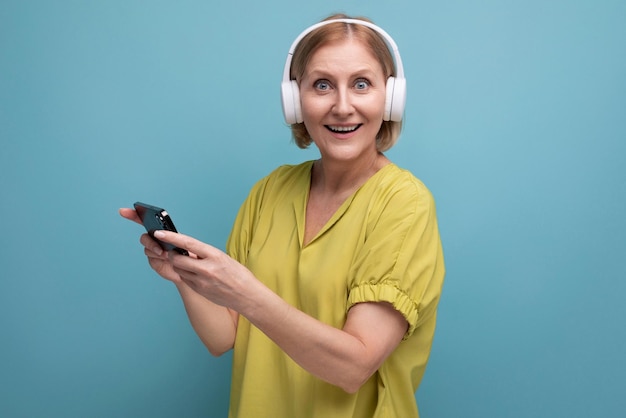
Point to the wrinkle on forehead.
(338, 61)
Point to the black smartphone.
(155, 219)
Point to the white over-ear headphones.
(396, 86)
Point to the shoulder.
(281, 180)
(393, 183)
(403, 178)
(287, 173)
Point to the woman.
(329, 290)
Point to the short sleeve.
(401, 259)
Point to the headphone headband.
(390, 43)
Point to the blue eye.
(322, 85)
(361, 84)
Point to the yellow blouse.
(382, 244)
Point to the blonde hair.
(389, 131)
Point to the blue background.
(516, 120)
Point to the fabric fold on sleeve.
(401, 301)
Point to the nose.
(343, 103)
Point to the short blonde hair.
(389, 131)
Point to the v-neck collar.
(300, 205)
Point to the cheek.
(310, 118)
(312, 109)
(377, 104)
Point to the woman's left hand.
(213, 274)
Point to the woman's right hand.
(157, 257)
(215, 325)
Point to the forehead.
(345, 54)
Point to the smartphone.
(155, 219)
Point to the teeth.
(343, 128)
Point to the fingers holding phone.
(154, 219)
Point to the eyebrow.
(319, 73)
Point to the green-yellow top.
(382, 244)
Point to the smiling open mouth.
(343, 129)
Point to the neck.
(341, 178)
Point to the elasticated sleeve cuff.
(387, 293)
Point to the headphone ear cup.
(395, 99)
(292, 109)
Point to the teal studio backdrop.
(516, 120)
